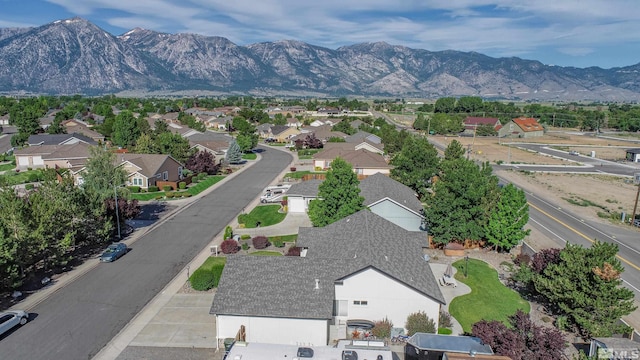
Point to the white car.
(12, 318)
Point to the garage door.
(296, 204)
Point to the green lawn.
(12, 178)
(249, 156)
(5, 167)
(488, 300)
(265, 253)
(214, 264)
(266, 214)
(193, 190)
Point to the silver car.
(12, 318)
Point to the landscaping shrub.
(420, 322)
(445, 331)
(159, 197)
(134, 189)
(167, 188)
(278, 243)
(228, 232)
(153, 189)
(293, 251)
(260, 242)
(245, 246)
(522, 259)
(182, 185)
(382, 328)
(202, 176)
(229, 246)
(445, 319)
(245, 236)
(543, 258)
(169, 195)
(202, 280)
(187, 195)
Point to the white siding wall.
(385, 298)
(397, 215)
(275, 330)
(374, 171)
(37, 161)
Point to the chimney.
(317, 284)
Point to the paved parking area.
(183, 322)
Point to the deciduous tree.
(125, 129)
(338, 195)
(416, 164)
(505, 228)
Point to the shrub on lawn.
(445, 331)
(167, 188)
(202, 280)
(158, 197)
(153, 189)
(293, 251)
(169, 195)
(229, 246)
(245, 246)
(33, 177)
(445, 319)
(260, 242)
(187, 195)
(278, 242)
(182, 185)
(245, 236)
(134, 189)
(420, 322)
(382, 328)
(228, 232)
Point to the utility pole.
(636, 180)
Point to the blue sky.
(581, 33)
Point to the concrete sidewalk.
(449, 293)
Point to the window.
(340, 308)
(180, 172)
(360, 302)
(137, 182)
(80, 181)
(165, 176)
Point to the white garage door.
(296, 204)
(22, 160)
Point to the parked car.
(12, 318)
(270, 140)
(573, 152)
(114, 252)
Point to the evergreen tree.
(234, 154)
(338, 195)
(585, 286)
(505, 228)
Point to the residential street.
(76, 321)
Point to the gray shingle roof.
(377, 242)
(379, 186)
(277, 287)
(57, 139)
(305, 188)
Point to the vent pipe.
(317, 284)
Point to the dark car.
(113, 252)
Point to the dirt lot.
(594, 193)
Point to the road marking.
(583, 235)
(549, 230)
(629, 284)
(587, 224)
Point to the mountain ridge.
(76, 56)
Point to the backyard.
(489, 298)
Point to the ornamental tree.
(416, 164)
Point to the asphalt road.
(561, 225)
(81, 318)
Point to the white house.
(361, 267)
(383, 195)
